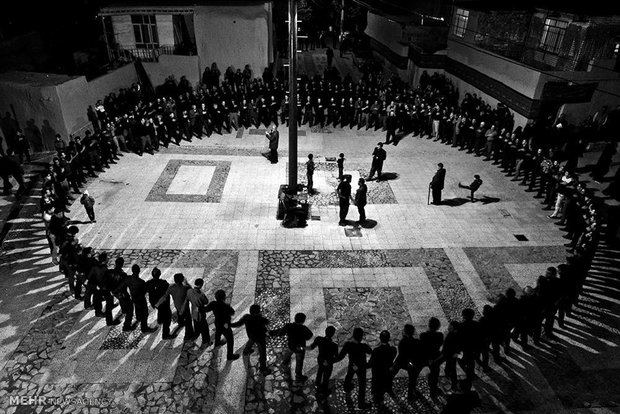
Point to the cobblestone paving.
(214, 192)
(279, 393)
(274, 265)
(489, 263)
(379, 192)
(372, 309)
(192, 388)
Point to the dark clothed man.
(223, 312)
(409, 358)
(431, 342)
(340, 162)
(380, 362)
(119, 290)
(378, 156)
(157, 288)
(391, 124)
(471, 338)
(178, 291)
(357, 351)
(328, 352)
(437, 183)
(89, 205)
(310, 173)
(198, 304)
(94, 277)
(137, 290)
(274, 137)
(473, 187)
(256, 329)
(344, 196)
(296, 336)
(361, 199)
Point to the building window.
(460, 22)
(145, 31)
(553, 34)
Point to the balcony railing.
(121, 54)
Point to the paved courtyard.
(207, 209)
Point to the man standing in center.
(437, 183)
(310, 173)
(361, 199)
(378, 156)
(344, 196)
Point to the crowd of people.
(132, 120)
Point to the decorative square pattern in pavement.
(489, 263)
(159, 192)
(374, 289)
(379, 192)
(372, 309)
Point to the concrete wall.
(515, 76)
(188, 66)
(61, 107)
(165, 30)
(37, 109)
(123, 31)
(74, 97)
(607, 93)
(122, 77)
(233, 35)
(386, 32)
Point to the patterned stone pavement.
(213, 194)
(419, 261)
(379, 192)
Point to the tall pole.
(292, 93)
(342, 18)
(105, 38)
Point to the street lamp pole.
(292, 92)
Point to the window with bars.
(145, 31)
(460, 22)
(553, 34)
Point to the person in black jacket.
(470, 336)
(409, 358)
(431, 342)
(390, 125)
(356, 350)
(328, 352)
(137, 290)
(380, 363)
(344, 199)
(256, 329)
(378, 156)
(156, 288)
(296, 334)
(473, 187)
(223, 313)
(361, 200)
(437, 183)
